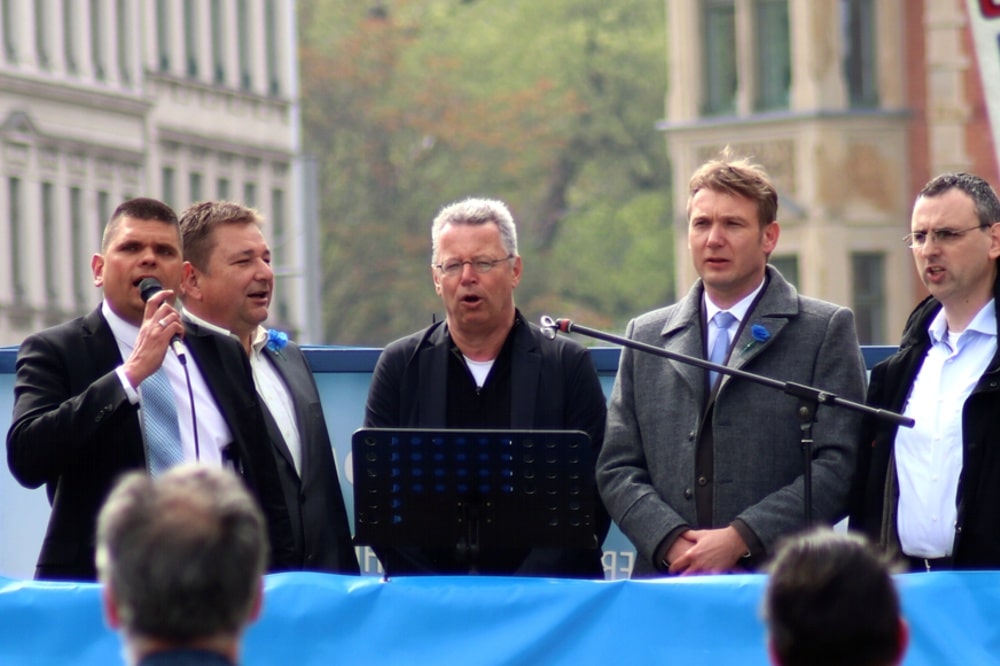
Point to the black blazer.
(315, 502)
(74, 429)
(554, 386)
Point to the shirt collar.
(125, 332)
(985, 323)
(739, 310)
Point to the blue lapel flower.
(760, 334)
(276, 340)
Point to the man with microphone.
(105, 393)
(704, 473)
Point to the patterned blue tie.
(720, 349)
(159, 423)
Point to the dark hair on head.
(183, 553)
(140, 208)
(740, 177)
(830, 601)
(199, 222)
(982, 194)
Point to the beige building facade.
(851, 105)
(102, 100)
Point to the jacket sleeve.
(52, 427)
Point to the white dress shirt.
(929, 455)
(739, 311)
(270, 388)
(213, 432)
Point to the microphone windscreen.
(148, 287)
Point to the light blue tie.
(720, 349)
(159, 423)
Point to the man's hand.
(706, 551)
(160, 323)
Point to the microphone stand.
(810, 398)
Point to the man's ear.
(190, 287)
(97, 268)
(258, 602)
(110, 607)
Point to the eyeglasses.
(941, 236)
(479, 265)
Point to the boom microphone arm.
(809, 397)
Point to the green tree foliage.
(549, 106)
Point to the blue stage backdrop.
(343, 376)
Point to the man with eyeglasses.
(485, 366)
(931, 494)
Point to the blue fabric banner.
(325, 619)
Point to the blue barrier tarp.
(327, 619)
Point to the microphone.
(148, 287)
(552, 326)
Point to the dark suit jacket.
(875, 496)
(74, 429)
(315, 502)
(554, 386)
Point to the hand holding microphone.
(147, 288)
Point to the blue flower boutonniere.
(760, 334)
(276, 340)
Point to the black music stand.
(473, 490)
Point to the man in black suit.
(79, 390)
(485, 366)
(227, 286)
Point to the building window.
(9, 19)
(194, 186)
(868, 270)
(271, 45)
(788, 266)
(168, 185)
(124, 52)
(279, 228)
(860, 66)
(191, 38)
(246, 38)
(49, 266)
(218, 43)
(42, 46)
(103, 207)
(774, 65)
(78, 246)
(96, 40)
(720, 57)
(14, 214)
(250, 195)
(163, 33)
(222, 189)
(69, 35)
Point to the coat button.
(702, 481)
(691, 436)
(688, 493)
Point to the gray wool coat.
(646, 469)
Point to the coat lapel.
(526, 363)
(289, 376)
(432, 360)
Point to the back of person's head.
(139, 208)
(181, 556)
(474, 212)
(982, 194)
(738, 177)
(199, 222)
(831, 601)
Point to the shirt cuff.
(131, 393)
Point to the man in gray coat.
(704, 473)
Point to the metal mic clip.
(549, 327)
